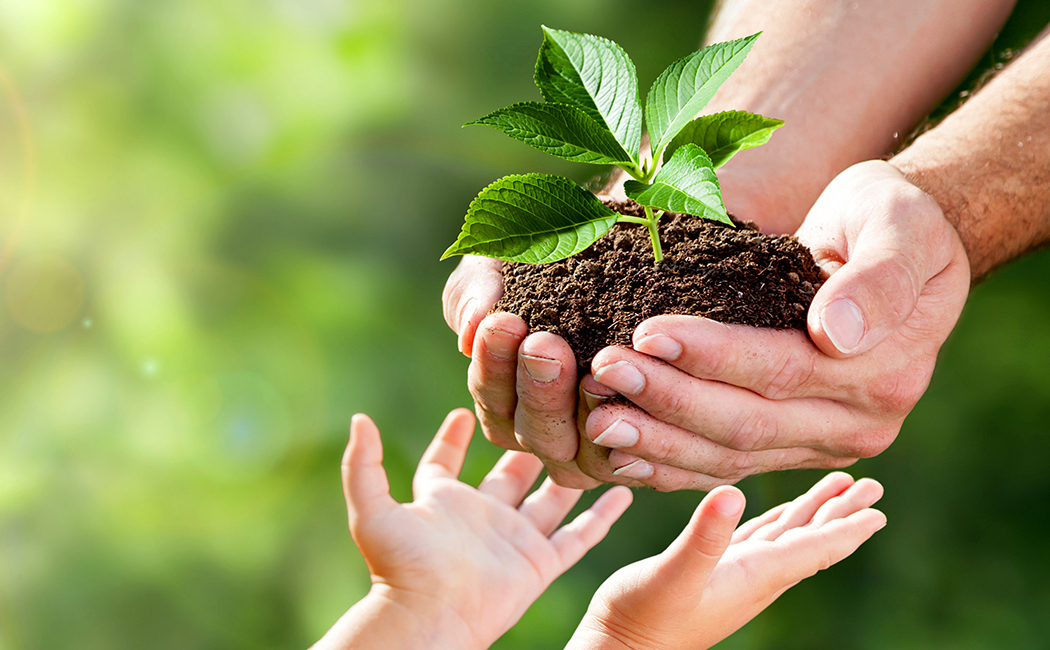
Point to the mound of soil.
(598, 297)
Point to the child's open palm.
(711, 580)
(473, 558)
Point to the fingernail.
(500, 344)
(660, 346)
(727, 504)
(468, 311)
(541, 369)
(619, 434)
(843, 322)
(639, 469)
(622, 377)
(591, 400)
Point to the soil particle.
(598, 297)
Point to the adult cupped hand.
(524, 385)
(716, 402)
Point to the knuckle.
(502, 409)
(673, 405)
(899, 285)
(711, 361)
(495, 431)
(741, 465)
(550, 439)
(556, 400)
(664, 448)
(735, 466)
(872, 442)
(866, 443)
(707, 544)
(789, 375)
(752, 430)
(896, 394)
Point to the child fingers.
(547, 506)
(800, 511)
(573, 540)
(802, 552)
(444, 456)
(862, 494)
(747, 528)
(365, 484)
(512, 477)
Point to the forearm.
(850, 80)
(988, 164)
(380, 622)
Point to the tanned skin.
(988, 164)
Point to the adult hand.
(524, 386)
(720, 402)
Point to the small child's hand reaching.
(711, 580)
(458, 566)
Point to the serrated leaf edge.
(452, 250)
(628, 160)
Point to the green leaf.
(595, 75)
(686, 184)
(722, 135)
(687, 85)
(560, 130)
(535, 218)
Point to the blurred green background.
(219, 229)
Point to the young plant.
(592, 114)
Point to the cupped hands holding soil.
(599, 296)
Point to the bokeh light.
(219, 229)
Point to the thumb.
(690, 559)
(886, 241)
(365, 484)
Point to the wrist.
(930, 181)
(391, 619)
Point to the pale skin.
(717, 403)
(711, 580)
(458, 566)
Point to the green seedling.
(592, 114)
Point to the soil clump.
(596, 298)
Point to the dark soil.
(598, 297)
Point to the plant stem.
(634, 171)
(638, 220)
(654, 234)
(651, 170)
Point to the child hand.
(711, 581)
(458, 566)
